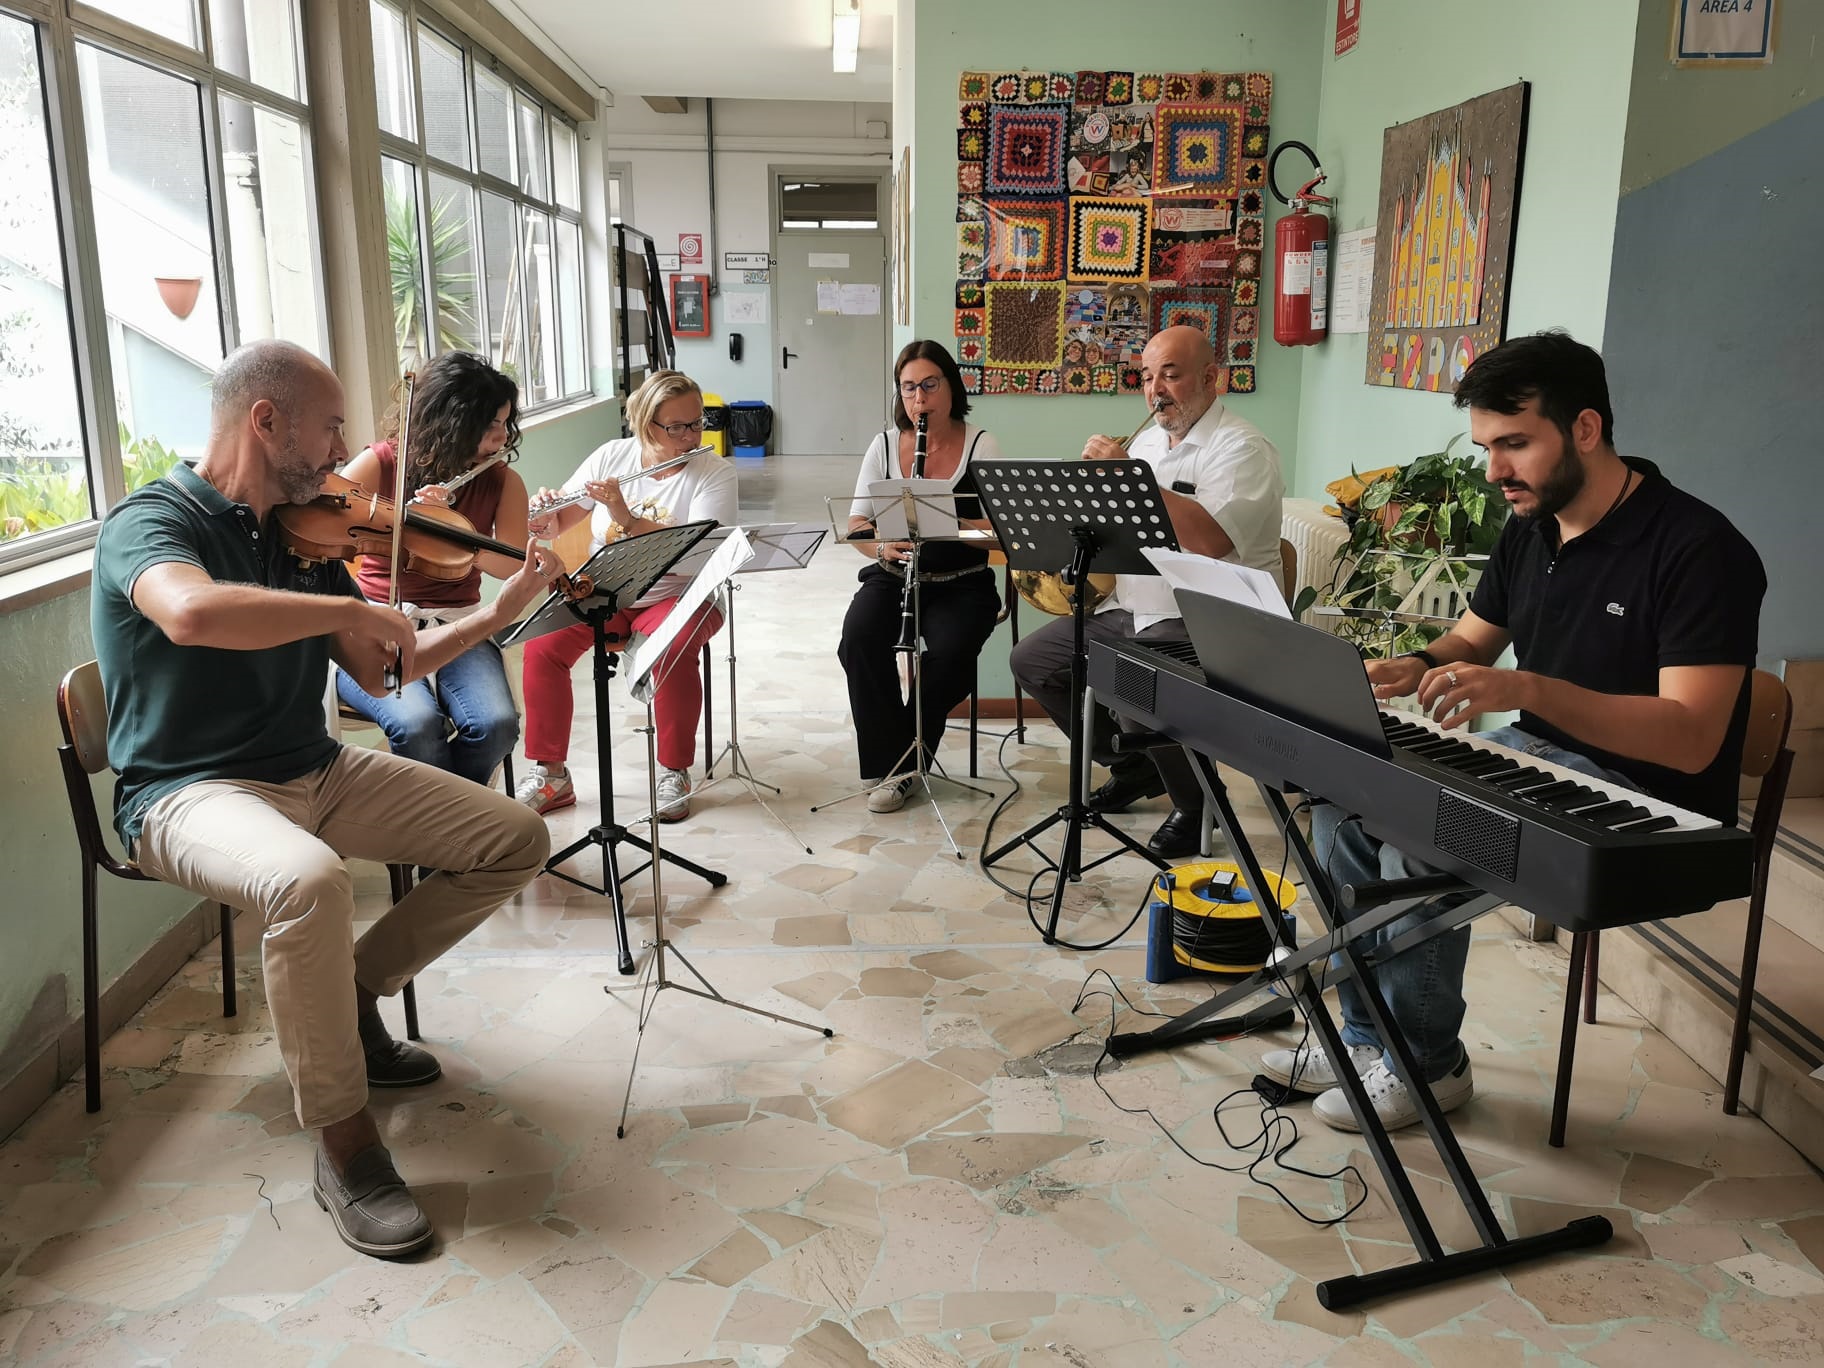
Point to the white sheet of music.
(1221, 579)
(933, 508)
(645, 656)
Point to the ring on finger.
(1450, 677)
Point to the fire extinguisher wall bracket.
(1301, 259)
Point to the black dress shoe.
(394, 1063)
(1126, 785)
(1179, 836)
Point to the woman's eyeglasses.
(679, 429)
(912, 387)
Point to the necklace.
(1627, 481)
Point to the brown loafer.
(373, 1209)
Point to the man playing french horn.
(1221, 480)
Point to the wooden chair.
(82, 710)
(1765, 756)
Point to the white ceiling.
(735, 49)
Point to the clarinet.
(908, 620)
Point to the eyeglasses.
(912, 387)
(679, 429)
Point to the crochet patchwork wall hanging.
(1450, 188)
(1094, 208)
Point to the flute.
(583, 496)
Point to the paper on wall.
(829, 296)
(860, 300)
(1354, 281)
(1221, 579)
(829, 261)
(743, 308)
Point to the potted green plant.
(1408, 534)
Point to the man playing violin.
(1223, 490)
(214, 641)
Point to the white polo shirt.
(1233, 471)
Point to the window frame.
(420, 16)
(62, 28)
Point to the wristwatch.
(1431, 661)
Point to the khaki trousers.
(277, 850)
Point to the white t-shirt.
(881, 462)
(704, 488)
(1234, 471)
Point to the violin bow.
(394, 676)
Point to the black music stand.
(619, 573)
(1075, 515)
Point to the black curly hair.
(453, 404)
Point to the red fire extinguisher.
(1301, 259)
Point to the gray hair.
(268, 369)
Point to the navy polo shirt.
(1664, 580)
(181, 714)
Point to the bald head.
(281, 373)
(1178, 376)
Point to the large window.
(483, 209)
(174, 176)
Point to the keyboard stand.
(1294, 971)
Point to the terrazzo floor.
(941, 1183)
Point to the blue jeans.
(467, 724)
(1423, 986)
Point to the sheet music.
(934, 502)
(1221, 579)
(734, 551)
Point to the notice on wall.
(743, 307)
(690, 248)
(1348, 24)
(829, 261)
(668, 263)
(859, 301)
(755, 277)
(1353, 271)
(1711, 31)
(829, 296)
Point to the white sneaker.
(1308, 1068)
(674, 795)
(1390, 1099)
(890, 795)
(543, 792)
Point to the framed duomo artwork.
(1450, 190)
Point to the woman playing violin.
(465, 415)
(666, 415)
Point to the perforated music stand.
(777, 546)
(1071, 516)
(618, 574)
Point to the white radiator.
(1315, 536)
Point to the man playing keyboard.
(1633, 609)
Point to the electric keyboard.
(1579, 852)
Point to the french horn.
(1046, 591)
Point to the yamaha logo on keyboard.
(1279, 746)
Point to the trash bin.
(750, 427)
(715, 422)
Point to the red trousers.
(550, 705)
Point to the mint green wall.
(953, 36)
(41, 910)
(1414, 57)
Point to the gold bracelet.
(461, 640)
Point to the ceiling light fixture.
(845, 34)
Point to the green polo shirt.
(180, 714)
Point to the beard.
(1553, 494)
(300, 479)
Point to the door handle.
(786, 358)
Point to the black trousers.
(1041, 666)
(955, 618)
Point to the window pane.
(570, 306)
(532, 176)
(494, 124)
(540, 296)
(392, 73)
(828, 204)
(257, 40)
(156, 248)
(43, 475)
(446, 99)
(174, 19)
(563, 164)
(453, 276)
(269, 218)
(405, 258)
(506, 325)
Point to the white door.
(831, 342)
